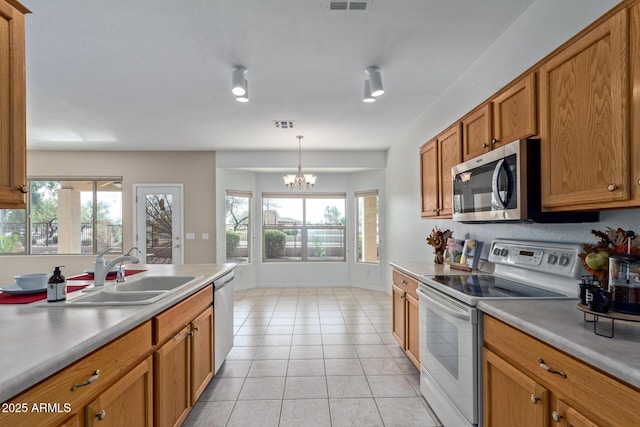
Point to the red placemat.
(111, 276)
(26, 299)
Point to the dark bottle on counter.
(57, 286)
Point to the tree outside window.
(237, 220)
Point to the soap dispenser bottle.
(57, 286)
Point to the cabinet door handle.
(405, 282)
(485, 145)
(534, 399)
(550, 370)
(196, 328)
(494, 141)
(403, 297)
(93, 378)
(612, 187)
(556, 416)
(24, 189)
(101, 415)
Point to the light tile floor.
(313, 357)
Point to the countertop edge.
(33, 374)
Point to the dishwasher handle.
(223, 281)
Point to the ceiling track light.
(367, 92)
(375, 80)
(238, 80)
(245, 97)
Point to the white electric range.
(450, 324)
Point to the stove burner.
(488, 286)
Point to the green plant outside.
(233, 240)
(274, 243)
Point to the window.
(303, 228)
(367, 227)
(65, 216)
(237, 221)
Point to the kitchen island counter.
(39, 341)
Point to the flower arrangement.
(595, 258)
(438, 239)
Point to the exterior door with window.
(158, 224)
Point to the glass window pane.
(325, 244)
(237, 229)
(325, 211)
(159, 225)
(13, 236)
(367, 229)
(109, 215)
(44, 217)
(282, 211)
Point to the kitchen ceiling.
(156, 74)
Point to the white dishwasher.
(222, 319)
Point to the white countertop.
(36, 342)
(560, 324)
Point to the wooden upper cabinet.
(449, 155)
(13, 140)
(437, 157)
(429, 178)
(477, 132)
(514, 111)
(584, 119)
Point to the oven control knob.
(552, 259)
(564, 260)
(504, 252)
(496, 251)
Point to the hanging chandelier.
(299, 181)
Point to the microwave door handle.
(494, 184)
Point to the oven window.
(442, 342)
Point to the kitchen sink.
(153, 283)
(109, 297)
(145, 290)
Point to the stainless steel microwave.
(504, 185)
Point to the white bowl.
(32, 280)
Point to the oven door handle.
(462, 314)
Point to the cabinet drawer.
(582, 386)
(113, 360)
(406, 283)
(167, 323)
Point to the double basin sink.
(145, 290)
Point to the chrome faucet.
(102, 268)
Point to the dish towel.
(26, 299)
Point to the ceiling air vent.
(283, 124)
(350, 5)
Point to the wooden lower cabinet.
(528, 383)
(129, 402)
(405, 315)
(81, 383)
(183, 362)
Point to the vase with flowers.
(438, 240)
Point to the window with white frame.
(367, 227)
(308, 227)
(237, 224)
(65, 216)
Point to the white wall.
(262, 274)
(544, 26)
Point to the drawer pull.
(551, 370)
(612, 187)
(405, 282)
(556, 416)
(534, 399)
(101, 415)
(177, 336)
(93, 378)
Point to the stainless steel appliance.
(222, 318)
(504, 185)
(450, 324)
